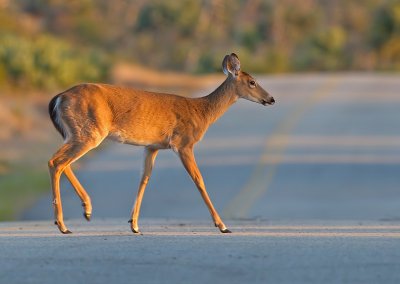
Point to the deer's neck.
(218, 102)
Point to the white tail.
(87, 114)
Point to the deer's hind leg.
(86, 203)
(68, 153)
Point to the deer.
(88, 113)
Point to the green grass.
(19, 189)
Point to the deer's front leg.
(190, 165)
(150, 155)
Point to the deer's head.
(246, 86)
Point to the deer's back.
(132, 116)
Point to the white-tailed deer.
(88, 113)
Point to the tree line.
(55, 43)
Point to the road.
(326, 155)
(179, 251)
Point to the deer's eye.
(252, 83)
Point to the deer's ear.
(231, 64)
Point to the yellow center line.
(264, 174)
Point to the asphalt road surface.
(328, 151)
(179, 251)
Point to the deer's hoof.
(87, 216)
(65, 231)
(225, 231)
(134, 230)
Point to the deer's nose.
(272, 101)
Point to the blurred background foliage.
(50, 45)
(53, 43)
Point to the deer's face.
(248, 88)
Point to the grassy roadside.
(21, 189)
